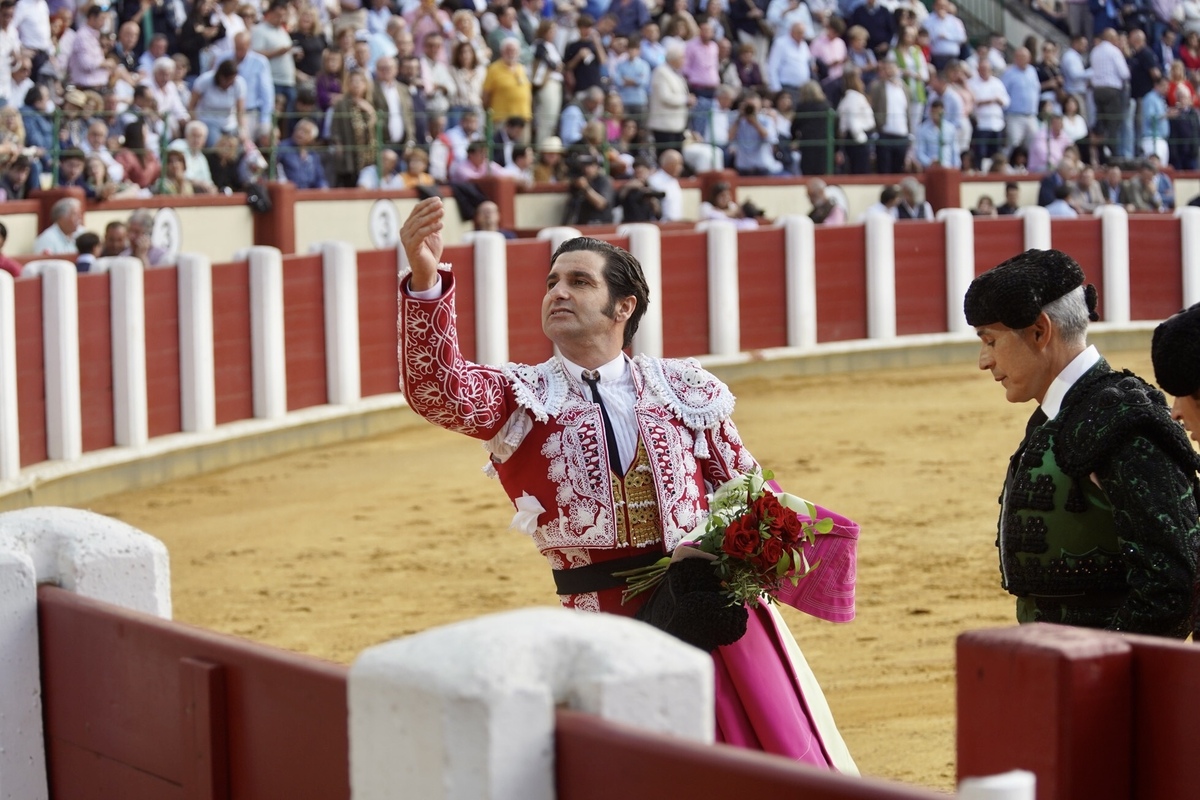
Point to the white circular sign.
(383, 224)
(167, 233)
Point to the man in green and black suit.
(1098, 522)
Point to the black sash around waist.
(597, 577)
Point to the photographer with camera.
(753, 139)
(638, 200)
(590, 201)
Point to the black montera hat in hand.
(1175, 351)
(1014, 293)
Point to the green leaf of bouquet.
(785, 563)
(824, 525)
(768, 475)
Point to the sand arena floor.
(332, 550)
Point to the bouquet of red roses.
(751, 543)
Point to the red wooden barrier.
(1096, 715)
(762, 288)
(685, 294)
(997, 240)
(379, 371)
(651, 766)
(1049, 699)
(139, 707)
(1155, 268)
(162, 351)
(528, 265)
(304, 330)
(31, 371)
(1081, 239)
(95, 361)
(920, 249)
(841, 283)
(234, 376)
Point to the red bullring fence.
(105, 697)
(118, 359)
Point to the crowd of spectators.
(125, 98)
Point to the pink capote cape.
(767, 698)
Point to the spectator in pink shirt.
(475, 166)
(1046, 147)
(829, 49)
(701, 69)
(87, 67)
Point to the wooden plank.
(114, 685)
(654, 766)
(205, 732)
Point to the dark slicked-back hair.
(622, 273)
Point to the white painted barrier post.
(343, 369)
(60, 331)
(800, 254)
(881, 276)
(960, 264)
(491, 298)
(1037, 227)
(466, 711)
(267, 350)
(645, 244)
(10, 431)
(84, 553)
(1114, 238)
(1189, 230)
(131, 409)
(724, 309)
(1016, 785)
(197, 370)
(558, 234)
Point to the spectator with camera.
(639, 201)
(590, 201)
(752, 140)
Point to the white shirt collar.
(611, 373)
(1052, 402)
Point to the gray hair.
(64, 207)
(143, 219)
(195, 125)
(1069, 314)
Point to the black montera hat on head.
(1014, 293)
(1175, 351)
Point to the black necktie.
(614, 458)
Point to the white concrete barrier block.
(343, 368)
(1015, 785)
(491, 298)
(558, 234)
(268, 355)
(466, 712)
(1114, 238)
(1189, 229)
(800, 254)
(82, 552)
(645, 244)
(131, 414)
(880, 230)
(1037, 227)
(60, 331)
(724, 309)
(10, 431)
(960, 264)
(22, 751)
(197, 370)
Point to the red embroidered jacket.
(547, 442)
